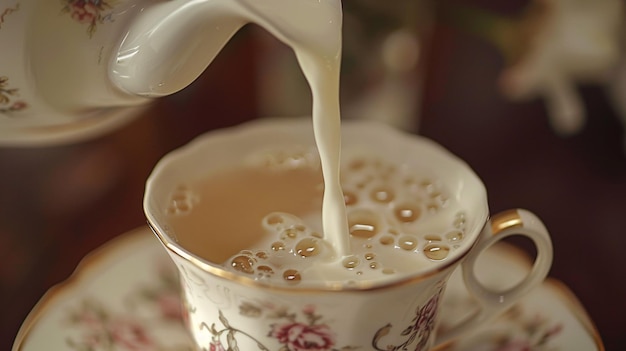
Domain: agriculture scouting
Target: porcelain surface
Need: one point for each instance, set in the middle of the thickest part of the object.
(65, 75)
(74, 69)
(54, 85)
(352, 308)
(125, 296)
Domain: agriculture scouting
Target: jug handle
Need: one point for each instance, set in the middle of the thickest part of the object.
(169, 44)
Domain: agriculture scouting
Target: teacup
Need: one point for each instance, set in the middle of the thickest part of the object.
(229, 310)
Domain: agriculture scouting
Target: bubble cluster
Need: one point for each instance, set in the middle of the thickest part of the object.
(395, 218)
(297, 157)
(284, 256)
(388, 205)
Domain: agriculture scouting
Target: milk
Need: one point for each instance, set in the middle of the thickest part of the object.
(261, 219)
(347, 247)
(312, 28)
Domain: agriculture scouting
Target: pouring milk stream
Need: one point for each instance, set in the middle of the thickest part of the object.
(312, 28)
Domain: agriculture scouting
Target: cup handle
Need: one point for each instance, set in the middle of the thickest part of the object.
(491, 302)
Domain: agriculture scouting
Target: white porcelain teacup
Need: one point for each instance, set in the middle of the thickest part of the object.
(231, 310)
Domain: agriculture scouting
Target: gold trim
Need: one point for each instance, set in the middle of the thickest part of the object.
(571, 302)
(555, 286)
(504, 220)
(86, 264)
(578, 310)
(220, 272)
(561, 289)
(81, 271)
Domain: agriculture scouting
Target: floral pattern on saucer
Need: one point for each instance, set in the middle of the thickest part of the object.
(9, 101)
(102, 329)
(90, 12)
(125, 297)
(8, 97)
(536, 332)
(518, 329)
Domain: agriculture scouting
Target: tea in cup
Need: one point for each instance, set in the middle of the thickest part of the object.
(240, 213)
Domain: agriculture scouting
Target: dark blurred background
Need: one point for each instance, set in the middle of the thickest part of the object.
(59, 203)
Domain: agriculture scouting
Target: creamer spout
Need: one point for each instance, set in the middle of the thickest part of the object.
(170, 44)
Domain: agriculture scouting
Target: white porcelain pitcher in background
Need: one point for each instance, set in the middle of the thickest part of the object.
(72, 69)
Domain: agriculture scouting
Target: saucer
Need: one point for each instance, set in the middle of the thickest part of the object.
(124, 296)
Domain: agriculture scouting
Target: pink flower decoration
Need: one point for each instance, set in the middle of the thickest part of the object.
(18, 105)
(308, 309)
(83, 11)
(170, 306)
(130, 335)
(302, 337)
(555, 330)
(90, 319)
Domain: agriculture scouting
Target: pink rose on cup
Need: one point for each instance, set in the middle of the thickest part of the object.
(303, 337)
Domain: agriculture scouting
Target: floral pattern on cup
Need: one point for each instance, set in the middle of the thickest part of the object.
(96, 325)
(9, 101)
(303, 331)
(418, 332)
(90, 12)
